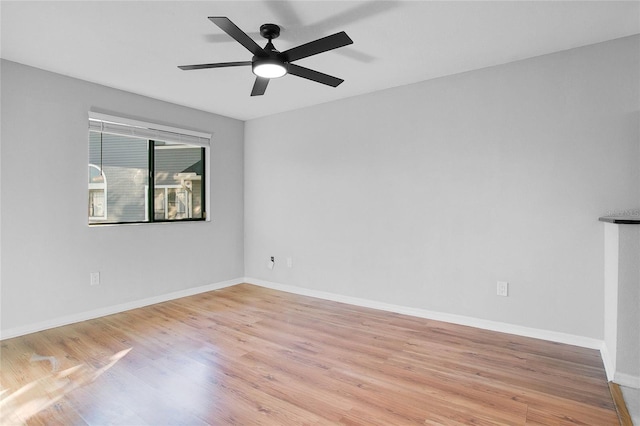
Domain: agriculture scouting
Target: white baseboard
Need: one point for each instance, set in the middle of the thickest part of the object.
(608, 361)
(627, 380)
(552, 336)
(109, 310)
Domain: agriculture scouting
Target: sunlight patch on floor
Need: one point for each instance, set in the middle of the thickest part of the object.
(39, 394)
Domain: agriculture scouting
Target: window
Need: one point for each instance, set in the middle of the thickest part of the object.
(141, 172)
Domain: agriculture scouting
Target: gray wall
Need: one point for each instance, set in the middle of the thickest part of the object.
(426, 195)
(48, 250)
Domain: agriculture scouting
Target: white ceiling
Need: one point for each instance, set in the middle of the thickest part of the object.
(137, 45)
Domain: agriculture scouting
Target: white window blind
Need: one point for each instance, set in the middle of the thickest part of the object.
(139, 129)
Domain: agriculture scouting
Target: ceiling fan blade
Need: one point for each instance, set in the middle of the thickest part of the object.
(240, 36)
(318, 46)
(218, 65)
(259, 86)
(310, 74)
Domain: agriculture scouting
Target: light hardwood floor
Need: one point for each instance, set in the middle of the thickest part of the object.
(248, 355)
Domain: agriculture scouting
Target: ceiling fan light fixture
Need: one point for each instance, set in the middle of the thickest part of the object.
(269, 68)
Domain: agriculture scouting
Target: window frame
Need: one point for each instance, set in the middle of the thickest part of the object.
(168, 134)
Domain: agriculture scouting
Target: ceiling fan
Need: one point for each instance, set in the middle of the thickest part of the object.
(268, 63)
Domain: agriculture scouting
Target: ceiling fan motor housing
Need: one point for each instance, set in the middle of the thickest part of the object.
(274, 64)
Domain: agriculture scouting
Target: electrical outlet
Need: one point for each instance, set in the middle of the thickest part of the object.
(94, 278)
(502, 288)
(289, 262)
